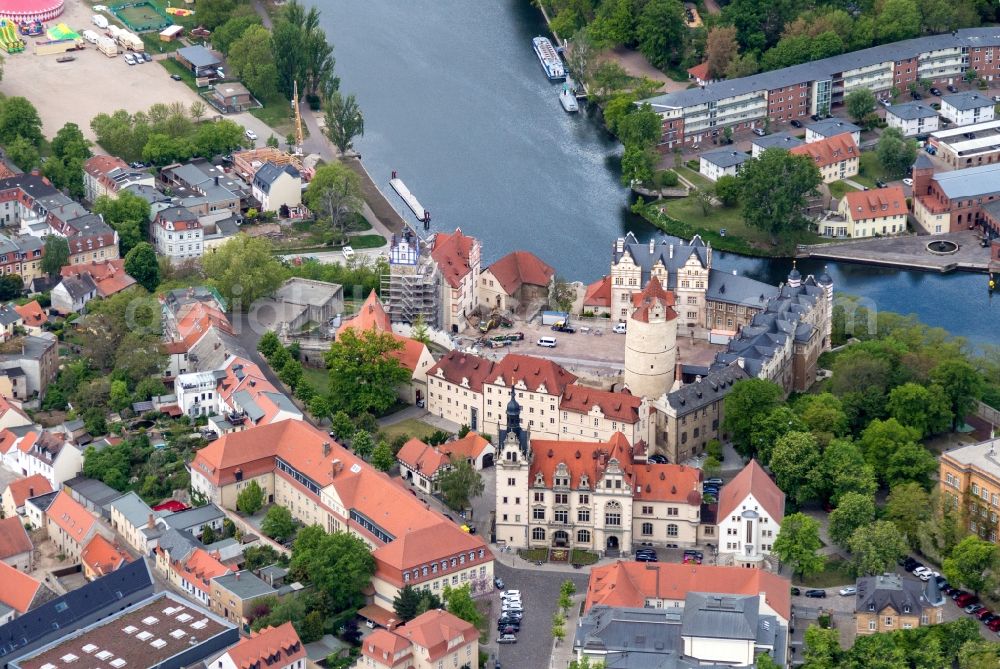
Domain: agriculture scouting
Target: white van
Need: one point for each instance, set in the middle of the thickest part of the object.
(348, 252)
(90, 36)
(100, 21)
(619, 328)
(547, 342)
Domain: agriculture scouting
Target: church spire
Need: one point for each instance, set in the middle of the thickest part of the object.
(513, 414)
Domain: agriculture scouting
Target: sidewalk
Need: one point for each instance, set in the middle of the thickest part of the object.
(562, 651)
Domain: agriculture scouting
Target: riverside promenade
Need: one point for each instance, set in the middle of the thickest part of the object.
(908, 252)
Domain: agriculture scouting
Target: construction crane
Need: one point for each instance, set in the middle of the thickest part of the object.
(299, 139)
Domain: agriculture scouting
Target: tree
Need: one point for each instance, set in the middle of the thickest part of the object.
(642, 127)
(773, 191)
(911, 462)
(411, 602)
(824, 415)
(127, 213)
(563, 294)
(142, 265)
(703, 196)
(765, 661)
(742, 66)
(11, 286)
(232, 30)
(797, 544)
(319, 407)
(55, 255)
(962, 385)
(925, 409)
(338, 565)
(748, 399)
(875, 548)
(335, 190)
(897, 20)
(344, 121)
(291, 373)
(268, 344)
(363, 443)
(558, 626)
(382, 457)
(208, 535)
(278, 523)
(197, 110)
(822, 648)
(895, 152)
(364, 374)
(460, 484)
(23, 153)
(459, 603)
(660, 31)
(973, 564)
(341, 425)
(243, 270)
(796, 464)
(720, 50)
(767, 428)
(19, 118)
(853, 511)
(979, 654)
(637, 164)
(251, 58)
(908, 506)
(860, 103)
(301, 51)
(258, 556)
(845, 470)
(419, 332)
(579, 55)
(881, 439)
(251, 499)
(727, 189)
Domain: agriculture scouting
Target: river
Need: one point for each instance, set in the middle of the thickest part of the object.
(455, 101)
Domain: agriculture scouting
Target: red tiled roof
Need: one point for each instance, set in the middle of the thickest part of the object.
(13, 538)
(200, 568)
(108, 275)
(752, 480)
(98, 166)
(699, 71)
(418, 456)
(653, 295)
(31, 313)
(829, 151)
(453, 254)
(435, 631)
(383, 646)
(518, 268)
(582, 458)
(621, 406)
(533, 372)
(667, 483)
(103, 557)
(456, 366)
(598, 293)
(470, 446)
(18, 589)
(71, 516)
(255, 650)
(371, 315)
(22, 489)
(9, 405)
(876, 203)
(629, 584)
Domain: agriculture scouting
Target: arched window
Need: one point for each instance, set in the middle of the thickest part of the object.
(613, 514)
(583, 536)
(671, 530)
(647, 529)
(538, 534)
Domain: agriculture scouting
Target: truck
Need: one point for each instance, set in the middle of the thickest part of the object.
(553, 317)
(107, 46)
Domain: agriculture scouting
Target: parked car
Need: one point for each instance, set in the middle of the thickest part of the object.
(849, 590)
(958, 593)
(176, 77)
(951, 88)
(508, 629)
(885, 103)
(930, 149)
(619, 328)
(507, 638)
(565, 327)
(907, 181)
(818, 594)
(986, 620)
(796, 591)
(645, 557)
(146, 57)
(657, 459)
(547, 342)
(880, 184)
(972, 608)
(815, 117)
(983, 613)
(498, 583)
(129, 58)
(510, 593)
(796, 123)
(912, 566)
(935, 91)
(715, 480)
(513, 615)
(251, 135)
(966, 599)
(347, 251)
(759, 132)
(994, 625)
(916, 95)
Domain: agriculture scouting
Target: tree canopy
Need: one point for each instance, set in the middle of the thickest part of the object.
(749, 399)
(142, 265)
(773, 190)
(364, 373)
(243, 270)
(343, 120)
(798, 544)
(339, 565)
(460, 484)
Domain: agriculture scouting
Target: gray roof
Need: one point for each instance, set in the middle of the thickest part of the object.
(827, 68)
(967, 101)
(831, 127)
(738, 289)
(672, 252)
(8, 316)
(282, 401)
(269, 173)
(34, 347)
(781, 140)
(992, 209)
(79, 286)
(131, 506)
(720, 616)
(213, 349)
(193, 518)
(249, 405)
(198, 56)
(923, 161)
(911, 111)
(308, 291)
(726, 158)
(43, 502)
(148, 193)
(178, 544)
(244, 584)
(96, 492)
(970, 182)
(711, 388)
(902, 594)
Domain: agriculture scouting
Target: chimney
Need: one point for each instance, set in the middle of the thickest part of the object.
(671, 250)
(741, 362)
(326, 448)
(652, 246)
(151, 522)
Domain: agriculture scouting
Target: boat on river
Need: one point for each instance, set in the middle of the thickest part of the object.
(567, 99)
(549, 58)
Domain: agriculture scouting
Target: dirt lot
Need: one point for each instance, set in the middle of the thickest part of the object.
(93, 83)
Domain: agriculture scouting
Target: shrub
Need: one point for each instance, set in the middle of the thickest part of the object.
(665, 179)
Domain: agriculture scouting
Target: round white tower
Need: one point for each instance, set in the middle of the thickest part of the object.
(651, 342)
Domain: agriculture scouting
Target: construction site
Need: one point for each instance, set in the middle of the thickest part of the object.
(412, 287)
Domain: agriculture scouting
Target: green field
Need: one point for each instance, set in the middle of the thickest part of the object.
(277, 113)
(870, 170)
(141, 17)
(838, 189)
(319, 379)
(411, 427)
(836, 572)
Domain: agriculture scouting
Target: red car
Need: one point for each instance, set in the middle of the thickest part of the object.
(983, 612)
(994, 625)
(966, 599)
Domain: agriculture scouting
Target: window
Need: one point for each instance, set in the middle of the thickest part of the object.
(583, 515)
(562, 498)
(647, 511)
(538, 534)
(538, 514)
(672, 511)
(671, 530)
(872, 625)
(583, 536)
(888, 621)
(647, 529)
(613, 514)
(539, 496)
(562, 516)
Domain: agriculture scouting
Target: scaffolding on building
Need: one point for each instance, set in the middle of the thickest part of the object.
(412, 287)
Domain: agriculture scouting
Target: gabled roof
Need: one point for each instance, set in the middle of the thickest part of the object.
(132, 508)
(102, 556)
(621, 406)
(436, 630)
(109, 276)
(22, 489)
(967, 101)
(70, 516)
(421, 457)
(699, 71)
(752, 480)
(384, 646)
(519, 268)
(262, 647)
(269, 173)
(13, 538)
(911, 111)
(470, 446)
(32, 313)
(667, 483)
(876, 203)
(830, 127)
(725, 159)
(581, 459)
(652, 300)
(80, 286)
(453, 254)
(533, 372)
(829, 151)
(19, 589)
(876, 593)
(598, 293)
(456, 367)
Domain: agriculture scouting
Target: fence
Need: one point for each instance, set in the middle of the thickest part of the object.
(988, 413)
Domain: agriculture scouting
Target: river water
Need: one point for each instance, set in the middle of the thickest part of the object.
(456, 101)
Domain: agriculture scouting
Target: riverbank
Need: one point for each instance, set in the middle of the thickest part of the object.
(909, 252)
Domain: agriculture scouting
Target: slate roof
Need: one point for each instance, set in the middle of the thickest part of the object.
(830, 127)
(8, 315)
(244, 584)
(781, 140)
(875, 593)
(725, 159)
(131, 506)
(198, 56)
(193, 519)
(967, 101)
(691, 397)
(720, 616)
(269, 173)
(911, 111)
(671, 258)
(970, 182)
(738, 289)
(79, 287)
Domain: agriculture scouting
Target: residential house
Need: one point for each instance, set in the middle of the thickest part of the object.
(177, 234)
(275, 647)
(889, 602)
(47, 453)
(32, 317)
(164, 631)
(433, 639)
(108, 276)
(71, 295)
(135, 522)
(836, 157)
(203, 188)
(323, 483)
(422, 464)
(194, 520)
(880, 212)
(218, 228)
(90, 239)
(15, 545)
(597, 299)
(71, 526)
(751, 508)
(37, 363)
(110, 175)
(699, 74)
(970, 480)
(35, 509)
(277, 186)
(18, 491)
(20, 593)
(234, 595)
(516, 282)
(831, 127)
(457, 257)
(232, 97)
(967, 108)
(780, 140)
(11, 414)
(912, 118)
(10, 319)
(715, 164)
(100, 557)
(94, 495)
(193, 573)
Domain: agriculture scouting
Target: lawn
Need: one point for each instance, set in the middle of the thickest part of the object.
(366, 241)
(173, 67)
(836, 572)
(155, 45)
(277, 113)
(870, 170)
(838, 189)
(694, 177)
(411, 427)
(319, 379)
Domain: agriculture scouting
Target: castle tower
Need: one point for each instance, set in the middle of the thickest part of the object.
(794, 277)
(922, 173)
(651, 342)
(825, 282)
(513, 464)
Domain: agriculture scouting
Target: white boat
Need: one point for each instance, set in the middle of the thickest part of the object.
(568, 100)
(549, 58)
